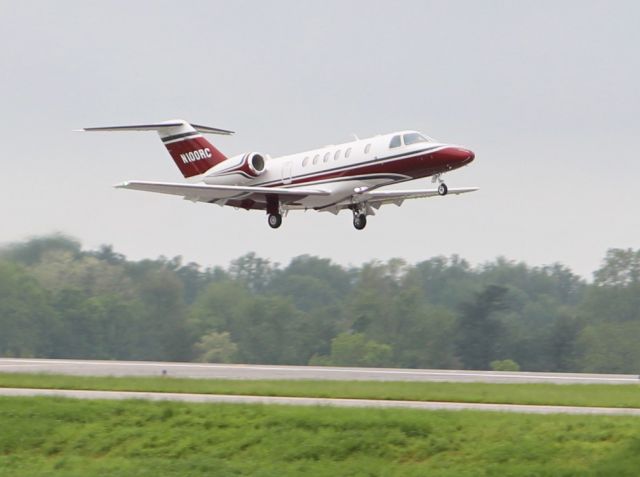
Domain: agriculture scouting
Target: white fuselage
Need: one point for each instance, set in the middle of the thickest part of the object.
(339, 169)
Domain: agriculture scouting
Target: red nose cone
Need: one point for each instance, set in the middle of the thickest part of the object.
(472, 156)
(453, 156)
(462, 155)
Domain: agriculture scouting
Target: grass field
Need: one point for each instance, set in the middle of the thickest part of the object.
(63, 437)
(600, 395)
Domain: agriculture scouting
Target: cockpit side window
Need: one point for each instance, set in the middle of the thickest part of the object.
(395, 142)
(413, 138)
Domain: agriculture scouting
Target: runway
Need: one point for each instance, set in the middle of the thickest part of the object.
(301, 401)
(241, 371)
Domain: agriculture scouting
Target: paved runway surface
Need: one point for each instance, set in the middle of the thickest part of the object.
(238, 371)
(297, 401)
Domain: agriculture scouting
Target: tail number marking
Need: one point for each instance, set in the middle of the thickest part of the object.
(196, 155)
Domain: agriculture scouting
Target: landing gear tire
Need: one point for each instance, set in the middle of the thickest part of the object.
(443, 189)
(275, 220)
(359, 221)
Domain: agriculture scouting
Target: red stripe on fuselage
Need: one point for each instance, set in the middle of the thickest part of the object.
(414, 167)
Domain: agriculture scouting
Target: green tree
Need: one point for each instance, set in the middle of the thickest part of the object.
(615, 294)
(621, 268)
(504, 365)
(479, 330)
(444, 281)
(311, 282)
(161, 332)
(609, 348)
(372, 300)
(252, 270)
(33, 250)
(273, 331)
(215, 348)
(353, 349)
(220, 307)
(562, 339)
(266, 329)
(27, 321)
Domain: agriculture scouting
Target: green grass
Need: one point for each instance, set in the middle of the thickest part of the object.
(63, 437)
(600, 395)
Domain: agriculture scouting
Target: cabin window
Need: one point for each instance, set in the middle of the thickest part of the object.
(396, 141)
(414, 138)
(336, 156)
(326, 157)
(316, 158)
(347, 152)
(305, 161)
(367, 148)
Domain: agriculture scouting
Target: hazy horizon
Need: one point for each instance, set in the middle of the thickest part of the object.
(285, 263)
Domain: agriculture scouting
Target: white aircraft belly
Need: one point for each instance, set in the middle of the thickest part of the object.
(339, 192)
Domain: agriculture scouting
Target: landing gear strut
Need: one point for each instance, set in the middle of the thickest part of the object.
(274, 211)
(275, 220)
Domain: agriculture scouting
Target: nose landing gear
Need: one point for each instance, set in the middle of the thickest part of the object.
(442, 188)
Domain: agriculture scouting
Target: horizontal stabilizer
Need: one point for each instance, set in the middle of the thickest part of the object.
(160, 127)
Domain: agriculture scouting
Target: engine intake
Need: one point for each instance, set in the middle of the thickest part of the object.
(256, 164)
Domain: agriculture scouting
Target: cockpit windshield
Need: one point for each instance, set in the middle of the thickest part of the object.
(414, 138)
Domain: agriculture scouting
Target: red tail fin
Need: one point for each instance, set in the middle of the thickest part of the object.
(191, 152)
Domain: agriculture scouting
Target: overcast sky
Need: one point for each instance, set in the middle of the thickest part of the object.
(547, 94)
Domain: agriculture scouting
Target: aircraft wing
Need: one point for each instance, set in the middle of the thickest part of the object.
(381, 197)
(223, 194)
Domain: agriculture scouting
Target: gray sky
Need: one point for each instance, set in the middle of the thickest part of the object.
(547, 94)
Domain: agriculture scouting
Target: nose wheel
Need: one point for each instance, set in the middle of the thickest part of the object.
(275, 220)
(442, 188)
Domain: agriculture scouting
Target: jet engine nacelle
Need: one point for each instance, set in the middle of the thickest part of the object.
(239, 169)
(256, 164)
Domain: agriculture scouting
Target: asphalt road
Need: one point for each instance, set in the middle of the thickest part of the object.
(239, 371)
(297, 401)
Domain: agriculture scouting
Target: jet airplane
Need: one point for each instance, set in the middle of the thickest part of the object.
(352, 175)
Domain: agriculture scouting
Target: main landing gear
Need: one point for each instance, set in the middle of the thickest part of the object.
(275, 220)
(359, 216)
(359, 221)
(275, 211)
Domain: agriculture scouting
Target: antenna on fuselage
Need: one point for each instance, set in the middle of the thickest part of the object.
(355, 137)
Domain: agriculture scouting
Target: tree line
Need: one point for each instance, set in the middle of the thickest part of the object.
(60, 301)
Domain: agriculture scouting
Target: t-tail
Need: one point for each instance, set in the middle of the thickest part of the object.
(191, 152)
